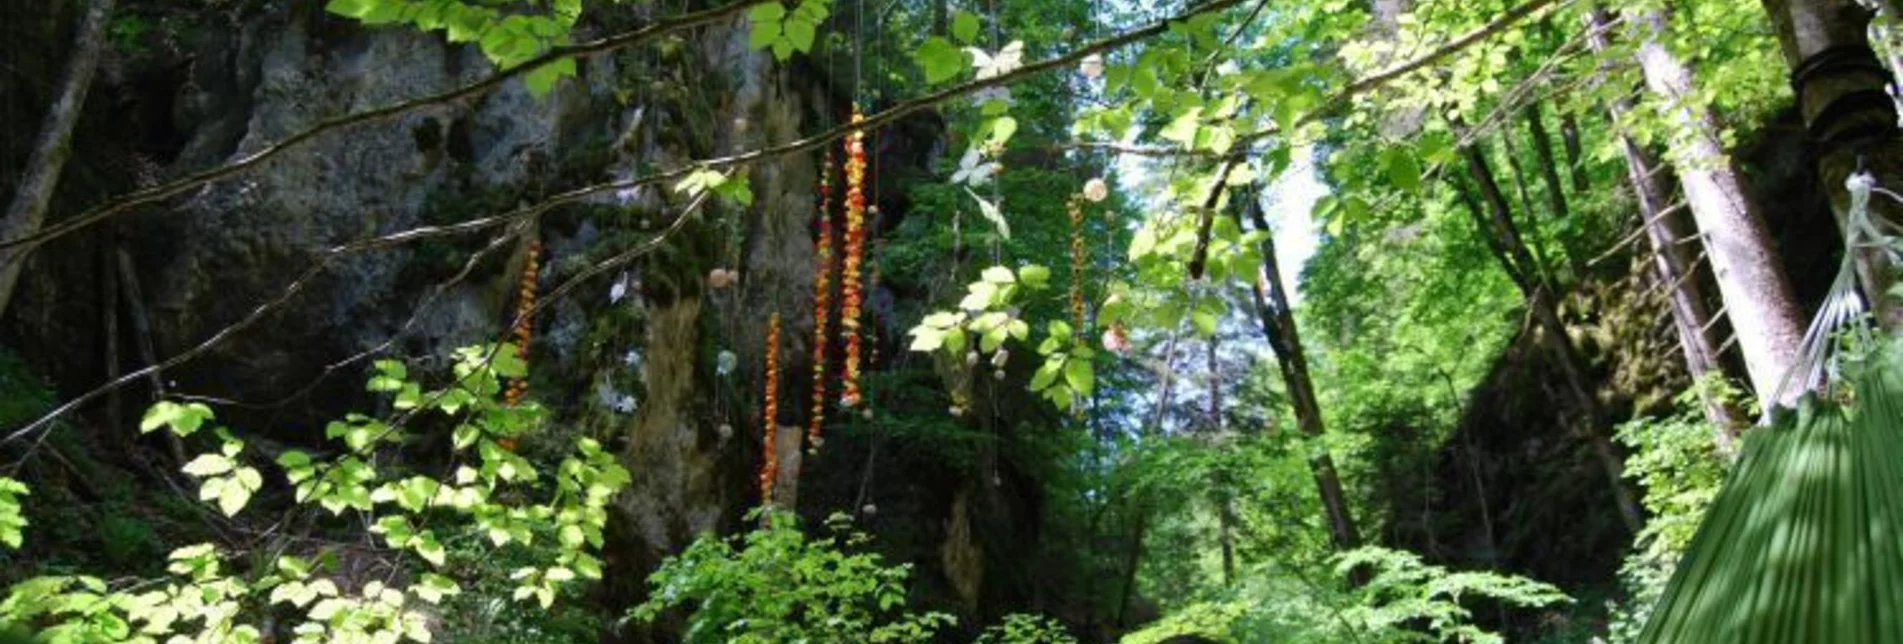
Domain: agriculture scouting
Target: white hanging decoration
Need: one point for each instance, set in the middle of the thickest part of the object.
(973, 169)
(1004, 62)
(725, 362)
(619, 290)
(998, 93)
(1096, 190)
(1091, 67)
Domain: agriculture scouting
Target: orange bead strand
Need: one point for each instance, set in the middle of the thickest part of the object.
(523, 330)
(852, 299)
(771, 469)
(822, 299)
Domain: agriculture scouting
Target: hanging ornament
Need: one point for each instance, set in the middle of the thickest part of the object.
(771, 420)
(851, 297)
(1091, 67)
(1116, 339)
(822, 299)
(720, 278)
(1077, 259)
(1096, 190)
(521, 332)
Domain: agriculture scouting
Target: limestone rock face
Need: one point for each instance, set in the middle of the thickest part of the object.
(625, 355)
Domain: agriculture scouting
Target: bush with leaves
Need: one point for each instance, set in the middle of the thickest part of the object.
(1404, 600)
(1021, 628)
(486, 492)
(1408, 600)
(1674, 460)
(776, 585)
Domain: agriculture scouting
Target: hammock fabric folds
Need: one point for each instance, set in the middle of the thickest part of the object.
(1802, 544)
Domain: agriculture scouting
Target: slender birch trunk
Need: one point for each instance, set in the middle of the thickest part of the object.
(1674, 262)
(27, 212)
(1750, 277)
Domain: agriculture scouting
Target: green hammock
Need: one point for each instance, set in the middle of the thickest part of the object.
(1804, 543)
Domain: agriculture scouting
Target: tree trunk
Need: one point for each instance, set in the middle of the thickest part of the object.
(1221, 483)
(1756, 293)
(28, 210)
(1541, 266)
(1840, 91)
(1569, 134)
(1500, 234)
(1132, 559)
(1555, 189)
(1673, 261)
(1278, 326)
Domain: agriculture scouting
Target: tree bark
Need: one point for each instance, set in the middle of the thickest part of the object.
(1541, 265)
(1674, 263)
(1569, 134)
(1497, 229)
(1278, 327)
(27, 212)
(1555, 188)
(1851, 119)
(1751, 279)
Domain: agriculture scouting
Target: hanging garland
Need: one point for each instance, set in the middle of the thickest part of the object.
(851, 297)
(1077, 257)
(524, 324)
(771, 469)
(822, 299)
(524, 327)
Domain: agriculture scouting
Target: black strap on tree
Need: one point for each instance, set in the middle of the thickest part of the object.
(1839, 121)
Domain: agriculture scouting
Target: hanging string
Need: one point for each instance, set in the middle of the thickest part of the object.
(997, 182)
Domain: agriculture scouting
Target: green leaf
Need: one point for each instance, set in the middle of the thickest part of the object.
(940, 60)
(993, 339)
(208, 465)
(1079, 375)
(541, 80)
(1034, 276)
(954, 340)
(992, 214)
(1047, 373)
(429, 548)
(999, 275)
(764, 34)
(767, 12)
(800, 33)
(1402, 168)
(349, 8)
(964, 27)
(1184, 127)
(1001, 129)
(183, 419)
(927, 339)
(232, 497)
(1205, 321)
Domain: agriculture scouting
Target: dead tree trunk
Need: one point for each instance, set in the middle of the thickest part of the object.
(1756, 293)
(1497, 229)
(28, 209)
(1853, 121)
(1278, 327)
